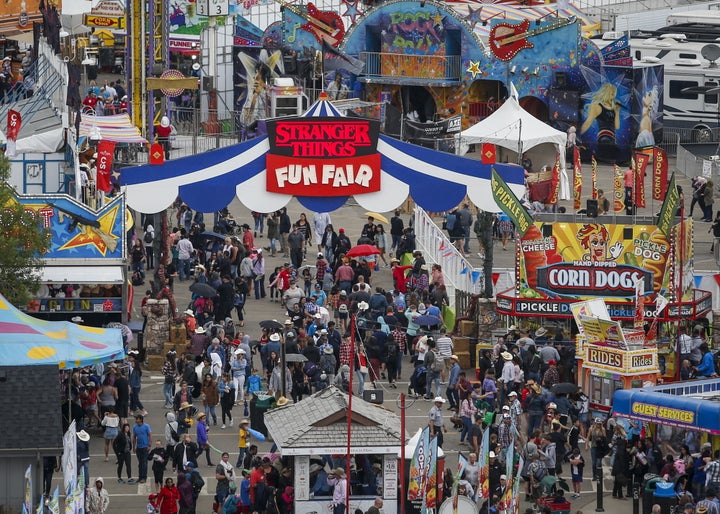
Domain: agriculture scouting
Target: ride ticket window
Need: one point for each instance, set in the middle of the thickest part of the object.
(602, 389)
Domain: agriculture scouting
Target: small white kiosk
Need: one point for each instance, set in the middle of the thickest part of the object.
(315, 431)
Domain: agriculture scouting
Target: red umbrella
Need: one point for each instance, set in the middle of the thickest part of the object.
(362, 251)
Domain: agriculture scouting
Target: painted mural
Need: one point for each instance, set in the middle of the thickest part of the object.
(76, 231)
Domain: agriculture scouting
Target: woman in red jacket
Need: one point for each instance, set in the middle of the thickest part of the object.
(168, 497)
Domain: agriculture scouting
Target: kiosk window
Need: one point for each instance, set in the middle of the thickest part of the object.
(602, 389)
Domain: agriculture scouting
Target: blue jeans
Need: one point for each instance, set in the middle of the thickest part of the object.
(361, 381)
(466, 230)
(260, 223)
(241, 455)
(167, 391)
(259, 287)
(135, 403)
(467, 424)
(430, 377)
(142, 455)
(140, 268)
(184, 269)
(210, 412)
(396, 238)
(534, 421)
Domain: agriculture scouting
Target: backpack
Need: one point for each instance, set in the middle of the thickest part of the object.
(173, 434)
(540, 473)
(601, 447)
(392, 349)
(310, 368)
(148, 238)
(197, 482)
(438, 363)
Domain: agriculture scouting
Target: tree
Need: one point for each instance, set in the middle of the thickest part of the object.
(486, 240)
(23, 242)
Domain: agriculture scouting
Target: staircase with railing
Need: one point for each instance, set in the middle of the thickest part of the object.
(40, 97)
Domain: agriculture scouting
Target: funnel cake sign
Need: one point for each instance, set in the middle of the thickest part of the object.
(323, 156)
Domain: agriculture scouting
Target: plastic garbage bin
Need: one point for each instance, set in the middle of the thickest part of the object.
(648, 499)
(259, 405)
(665, 496)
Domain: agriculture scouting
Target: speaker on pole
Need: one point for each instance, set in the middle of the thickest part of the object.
(592, 208)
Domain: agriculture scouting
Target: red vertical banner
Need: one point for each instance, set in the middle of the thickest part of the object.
(618, 189)
(488, 153)
(157, 154)
(555, 183)
(594, 178)
(105, 152)
(14, 121)
(577, 179)
(641, 162)
(660, 174)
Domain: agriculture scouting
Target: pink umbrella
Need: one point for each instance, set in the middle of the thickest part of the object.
(362, 251)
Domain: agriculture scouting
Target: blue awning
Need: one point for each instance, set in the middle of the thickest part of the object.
(671, 405)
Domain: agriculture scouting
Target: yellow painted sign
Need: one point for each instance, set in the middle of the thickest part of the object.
(633, 362)
(663, 413)
(109, 22)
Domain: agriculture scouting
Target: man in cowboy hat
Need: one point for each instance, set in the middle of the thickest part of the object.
(436, 421)
(337, 479)
(507, 376)
(198, 342)
(83, 454)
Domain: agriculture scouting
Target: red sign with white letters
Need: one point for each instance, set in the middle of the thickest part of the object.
(323, 156)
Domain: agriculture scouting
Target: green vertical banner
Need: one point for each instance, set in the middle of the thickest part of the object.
(509, 203)
(669, 208)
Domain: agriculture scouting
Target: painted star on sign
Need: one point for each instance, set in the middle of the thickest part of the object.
(474, 17)
(474, 68)
(352, 10)
(101, 237)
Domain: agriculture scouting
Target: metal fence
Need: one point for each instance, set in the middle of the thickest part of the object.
(459, 274)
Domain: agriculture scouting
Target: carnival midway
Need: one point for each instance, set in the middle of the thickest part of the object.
(361, 257)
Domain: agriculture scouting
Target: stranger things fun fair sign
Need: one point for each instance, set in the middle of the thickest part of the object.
(323, 156)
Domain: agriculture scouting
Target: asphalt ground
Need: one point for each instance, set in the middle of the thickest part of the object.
(126, 498)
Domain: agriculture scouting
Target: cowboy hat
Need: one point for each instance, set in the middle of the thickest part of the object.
(244, 421)
(200, 416)
(239, 351)
(199, 330)
(439, 399)
(339, 472)
(83, 436)
(281, 401)
(454, 357)
(512, 327)
(274, 337)
(76, 319)
(329, 350)
(506, 355)
(189, 312)
(540, 332)
(185, 405)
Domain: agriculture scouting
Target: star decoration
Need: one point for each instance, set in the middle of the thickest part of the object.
(474, 68)
(102, 237)
(352, 10)
(474, 17)
(438, 18)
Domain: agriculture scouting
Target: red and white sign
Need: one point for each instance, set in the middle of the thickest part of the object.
(185, 46)
(105, 151)
(323, 156)
(14, 121)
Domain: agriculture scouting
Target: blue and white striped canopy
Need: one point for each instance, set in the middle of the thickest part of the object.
(436, 181)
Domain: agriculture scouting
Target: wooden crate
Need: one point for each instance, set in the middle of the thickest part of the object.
(461, 344)
(178, 334)
(155, 362)
(464, 361)
(467, 328)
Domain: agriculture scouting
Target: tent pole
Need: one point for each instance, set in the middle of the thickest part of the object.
(520, 145)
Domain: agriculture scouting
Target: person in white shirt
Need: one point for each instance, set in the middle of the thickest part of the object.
(507, 376)
(185, 251)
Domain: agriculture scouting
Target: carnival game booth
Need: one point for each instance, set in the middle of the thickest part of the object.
(315, 430)
(85, 266)
(674, 413)
(563, 259)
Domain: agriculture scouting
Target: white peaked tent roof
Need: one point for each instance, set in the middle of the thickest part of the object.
(514, 128)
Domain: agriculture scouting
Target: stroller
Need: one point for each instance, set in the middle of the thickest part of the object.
(417, 388)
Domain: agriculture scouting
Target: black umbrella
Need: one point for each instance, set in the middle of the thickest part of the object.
(203, 289)
(565, 388)
(271, 324)
(295, 357)
(427, 320)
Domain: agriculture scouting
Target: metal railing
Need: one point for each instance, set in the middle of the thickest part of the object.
(383, 64)
(459, 274)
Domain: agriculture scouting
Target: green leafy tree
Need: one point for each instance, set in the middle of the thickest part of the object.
(23, 242)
